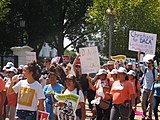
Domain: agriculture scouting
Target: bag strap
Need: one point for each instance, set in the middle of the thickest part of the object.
(153, 71)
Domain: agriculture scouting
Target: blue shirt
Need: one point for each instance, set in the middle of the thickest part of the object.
(48, 92)
(156, 88)
(148, 79)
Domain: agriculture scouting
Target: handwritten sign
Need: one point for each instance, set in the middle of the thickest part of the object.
(89, 58)
(30, 57)
(141, 41)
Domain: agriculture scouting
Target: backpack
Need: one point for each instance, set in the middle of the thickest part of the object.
(153, 72)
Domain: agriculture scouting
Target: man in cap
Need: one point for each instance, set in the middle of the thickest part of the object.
(129, 66)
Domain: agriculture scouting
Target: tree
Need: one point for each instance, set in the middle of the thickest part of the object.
(49, 21)
(139, 15)
(3, 8)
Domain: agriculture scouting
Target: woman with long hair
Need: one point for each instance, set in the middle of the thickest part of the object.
(71, 86)
(30, 93)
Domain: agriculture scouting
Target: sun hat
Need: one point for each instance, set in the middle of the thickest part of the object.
(114, 71)
(110, 63)
(102, 72)
(9, 64)
(122, 70)
(131, 72)
(12, 69)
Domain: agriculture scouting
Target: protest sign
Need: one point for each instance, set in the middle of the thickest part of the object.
(148, 57)
(41, 115)
(141, 41)
(89, 59)
(30, 57)
(55, 60)
(118, 57)
(68, 110)
(66, 58)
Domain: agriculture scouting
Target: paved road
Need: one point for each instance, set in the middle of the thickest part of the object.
(137, 117)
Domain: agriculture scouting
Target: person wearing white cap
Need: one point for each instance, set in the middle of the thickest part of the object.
(102, 88)
(12, 98)
(123, 97)
(113, 74)
(136, 85)
(129, 66)
(9, 64)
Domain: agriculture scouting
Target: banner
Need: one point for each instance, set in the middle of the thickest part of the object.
(55, 60)
(66, 58)
(68, 110)
(141, 41)
(42, 115)
(89, 59)
(30, 57)
(118, 57)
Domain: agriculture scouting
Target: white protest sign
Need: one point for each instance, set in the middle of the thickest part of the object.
(30, 57)
(68, 110)
(141, 41)
(148, 57)
(89, 58)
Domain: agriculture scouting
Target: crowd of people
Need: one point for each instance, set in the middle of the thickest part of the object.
(112, 93)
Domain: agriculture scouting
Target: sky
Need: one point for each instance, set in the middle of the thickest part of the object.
(66, 42)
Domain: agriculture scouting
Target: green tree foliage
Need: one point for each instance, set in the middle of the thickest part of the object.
(138, 15)
(48, 21)
(3, 8)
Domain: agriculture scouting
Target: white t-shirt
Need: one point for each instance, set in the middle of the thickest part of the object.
(28, 95)
(81, 96)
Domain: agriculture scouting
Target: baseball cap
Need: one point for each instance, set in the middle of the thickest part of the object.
(70, 77)
(20, 66)
(9, 64)
(129, 63)
(131, 72)
(102, 72)
(12, 69)
(122, 70)
(114, 71)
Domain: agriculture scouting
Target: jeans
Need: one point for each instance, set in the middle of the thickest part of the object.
(155, 106)
(26, 115)
(145, 95)
(117, 111)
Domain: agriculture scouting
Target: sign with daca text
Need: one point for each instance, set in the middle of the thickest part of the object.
(141, 41)
(89, 58)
